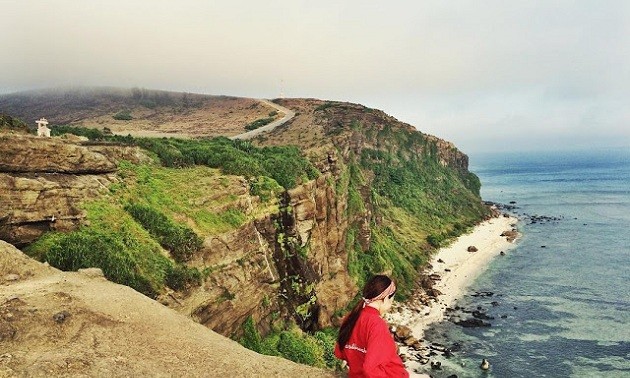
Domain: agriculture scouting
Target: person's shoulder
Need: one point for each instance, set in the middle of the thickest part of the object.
(374, 319)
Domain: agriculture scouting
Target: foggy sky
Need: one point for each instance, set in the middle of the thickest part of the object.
(483, 74)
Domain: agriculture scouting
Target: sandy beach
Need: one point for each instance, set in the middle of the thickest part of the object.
(457, 271)
(464, 266)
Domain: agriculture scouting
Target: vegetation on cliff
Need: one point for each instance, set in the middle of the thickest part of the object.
(374, 196)
(412, 200)
(293, 344)
(152, 206)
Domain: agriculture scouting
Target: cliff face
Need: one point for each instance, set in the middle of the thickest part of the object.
(295, 263)
(43, 182)
(268, 268)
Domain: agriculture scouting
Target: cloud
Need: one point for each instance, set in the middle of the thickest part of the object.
(467, 71)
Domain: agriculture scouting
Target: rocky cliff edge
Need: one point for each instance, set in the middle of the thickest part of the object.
(55, 323)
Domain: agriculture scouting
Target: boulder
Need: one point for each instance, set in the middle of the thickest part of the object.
(402, 332)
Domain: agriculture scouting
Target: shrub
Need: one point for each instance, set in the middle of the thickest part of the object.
(179, 239)
(259, 123)
(327, 339)
(285, 164)
(123, 115)
(266, 188)
(92, 134)
(180, 277)
(300, 348)
(93, 248)
(293, 344)
(12, 123)
(251, 337)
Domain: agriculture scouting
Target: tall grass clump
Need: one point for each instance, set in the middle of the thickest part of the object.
(122, 257)
(179, 239)
(293, 344)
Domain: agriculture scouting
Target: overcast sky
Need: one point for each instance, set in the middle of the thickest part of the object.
(483, 74)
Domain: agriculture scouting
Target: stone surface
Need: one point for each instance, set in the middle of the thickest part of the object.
(44, 181)
(67, 324)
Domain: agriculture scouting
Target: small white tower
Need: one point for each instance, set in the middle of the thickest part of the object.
(42, 128)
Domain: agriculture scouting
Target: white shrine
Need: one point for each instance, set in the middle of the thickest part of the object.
(42, 128)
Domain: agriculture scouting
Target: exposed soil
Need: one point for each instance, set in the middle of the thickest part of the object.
(55, 323)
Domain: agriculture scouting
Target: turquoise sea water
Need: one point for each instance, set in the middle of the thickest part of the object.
(566, 306)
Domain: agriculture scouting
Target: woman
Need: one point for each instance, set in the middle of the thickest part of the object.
(364, 340)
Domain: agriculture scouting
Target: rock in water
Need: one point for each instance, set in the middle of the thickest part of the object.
(485, 365)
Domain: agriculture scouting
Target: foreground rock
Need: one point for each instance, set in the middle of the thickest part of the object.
(55, 323)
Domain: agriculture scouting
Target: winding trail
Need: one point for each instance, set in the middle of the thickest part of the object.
(288, 115)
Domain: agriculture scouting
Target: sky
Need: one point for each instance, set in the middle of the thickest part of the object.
(486, 74)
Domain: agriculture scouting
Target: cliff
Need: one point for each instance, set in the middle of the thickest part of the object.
(55, 323)
(385, 195)
(43, 182)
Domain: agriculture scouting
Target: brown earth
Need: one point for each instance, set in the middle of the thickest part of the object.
(154, 113)
(55, 323)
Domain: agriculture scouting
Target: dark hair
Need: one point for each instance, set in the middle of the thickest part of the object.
(372, 288)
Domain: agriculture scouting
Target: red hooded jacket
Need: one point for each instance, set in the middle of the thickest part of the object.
(371, 351)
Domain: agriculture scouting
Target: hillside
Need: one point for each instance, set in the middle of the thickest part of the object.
(79, 324)
(248, 238)
(140, 112)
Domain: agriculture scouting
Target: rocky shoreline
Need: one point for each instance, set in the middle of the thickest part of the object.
(450, 272)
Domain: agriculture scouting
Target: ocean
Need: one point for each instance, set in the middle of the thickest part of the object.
(562, 294)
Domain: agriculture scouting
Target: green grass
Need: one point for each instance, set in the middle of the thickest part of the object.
(285, 164)
(179, 239)
(260, 122)
(114, 242)
(293, 344)
(197, 196)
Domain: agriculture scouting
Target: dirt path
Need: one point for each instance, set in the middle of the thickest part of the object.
(288, 114)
